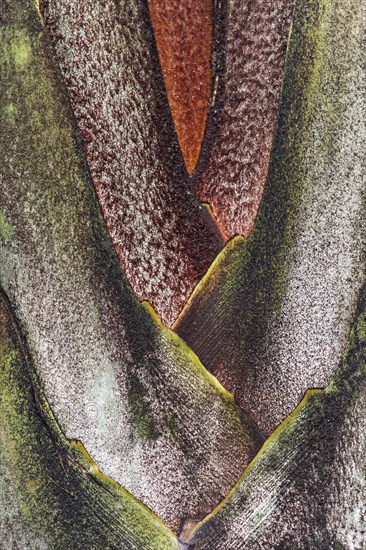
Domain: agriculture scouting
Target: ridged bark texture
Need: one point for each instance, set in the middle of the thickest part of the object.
(307, 488)
(53, 497)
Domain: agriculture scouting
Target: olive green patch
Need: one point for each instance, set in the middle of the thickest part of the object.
(141, 418)
(6, 229)
(21, 51)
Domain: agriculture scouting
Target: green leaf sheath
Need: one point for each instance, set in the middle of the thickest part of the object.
(51, 498)
(271, 318)
(146, 410)
(306, 487)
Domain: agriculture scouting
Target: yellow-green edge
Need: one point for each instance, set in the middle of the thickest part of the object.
(237, 240)
(271, 441)
(189, 353)
(87, 463)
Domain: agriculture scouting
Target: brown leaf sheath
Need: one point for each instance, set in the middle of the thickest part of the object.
(184, 32)
(164, 238)
(250, 47)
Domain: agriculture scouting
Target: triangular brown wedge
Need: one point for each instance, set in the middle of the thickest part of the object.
(184, 36)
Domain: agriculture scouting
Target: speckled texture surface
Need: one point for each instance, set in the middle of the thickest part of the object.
(164, 238)
(144, 407)
(49, 497)
(184, 33)
(306, 489)
(272, 318)
(251, 39)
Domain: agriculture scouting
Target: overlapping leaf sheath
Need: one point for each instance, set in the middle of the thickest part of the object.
(144, 407)
(271, 318)
(184, 32)
(51, 496)
(251, 39)
(307, 487)
(164, 238)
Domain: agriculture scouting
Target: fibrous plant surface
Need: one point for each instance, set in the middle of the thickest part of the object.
(184, 33)
(250, 48)
(140, 401)
(51, 496)
(271, 318)
(306, 488)
(92, 384)
(164, 238)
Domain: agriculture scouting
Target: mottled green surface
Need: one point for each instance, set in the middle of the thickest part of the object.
(6, 230)
(272, 318)
(50, 499)
(144, 407)
(306, 489)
